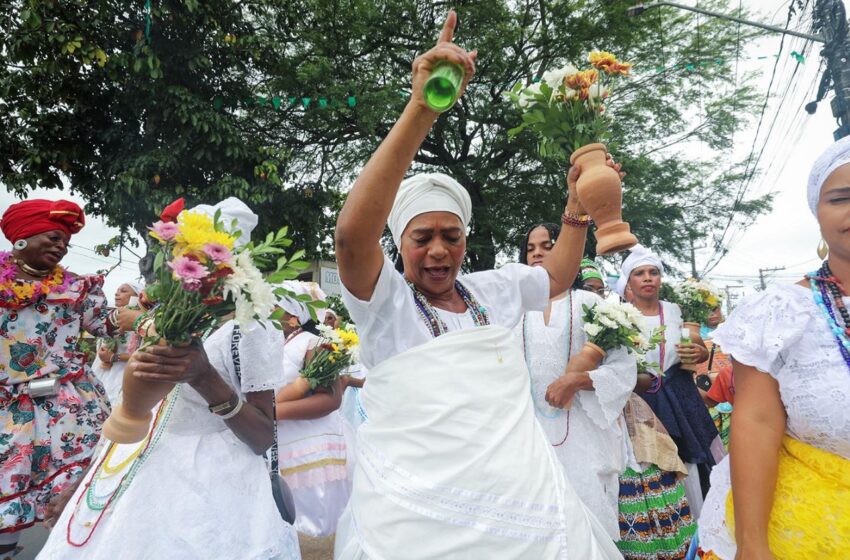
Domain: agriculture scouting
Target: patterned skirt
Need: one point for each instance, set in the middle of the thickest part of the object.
(655, 519)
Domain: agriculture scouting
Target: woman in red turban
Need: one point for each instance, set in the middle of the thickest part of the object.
(51, 407)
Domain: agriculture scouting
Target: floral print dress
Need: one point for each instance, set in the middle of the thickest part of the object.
(46, 442)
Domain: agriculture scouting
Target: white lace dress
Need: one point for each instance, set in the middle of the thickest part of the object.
(589, 438)
(313, 455)
(782, 332)
(201, 493)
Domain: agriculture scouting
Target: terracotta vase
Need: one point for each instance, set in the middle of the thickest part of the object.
(601, 194)
(694, 336)
(130, 421)
(587, 359)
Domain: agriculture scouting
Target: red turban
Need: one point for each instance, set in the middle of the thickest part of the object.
(31, 217)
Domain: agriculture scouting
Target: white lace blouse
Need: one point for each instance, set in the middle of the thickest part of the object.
(784, 333)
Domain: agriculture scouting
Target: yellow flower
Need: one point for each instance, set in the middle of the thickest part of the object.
(712, 301)
(23, 290)
(195, 231)
(601, 59)
(349, 338)
(609, 63)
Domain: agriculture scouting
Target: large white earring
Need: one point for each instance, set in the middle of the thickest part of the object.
(20, 244)
(823, 249)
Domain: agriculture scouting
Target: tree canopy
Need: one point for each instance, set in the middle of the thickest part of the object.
(280, 102)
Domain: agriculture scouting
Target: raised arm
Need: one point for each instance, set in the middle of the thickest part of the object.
(361, 221)
(563, 261)
(759, 429)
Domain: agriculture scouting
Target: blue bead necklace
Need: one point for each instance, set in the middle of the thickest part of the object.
(432, 318)
(827, 294)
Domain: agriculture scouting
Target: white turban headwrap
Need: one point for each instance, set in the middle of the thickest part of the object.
(297, 308)
(834, 157)
(428, 192)
(232, 209)
(640, 256)
(620, 286)
(136, 285)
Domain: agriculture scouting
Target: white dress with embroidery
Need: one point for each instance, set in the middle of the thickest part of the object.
(589, 438)
(201, 492)
(783, 333)
(450, 465)
(313, 455)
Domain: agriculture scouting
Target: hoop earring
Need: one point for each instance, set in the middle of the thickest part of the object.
(20, 244)
(823, 249)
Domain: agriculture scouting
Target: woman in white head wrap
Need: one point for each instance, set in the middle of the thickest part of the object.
(201, 487)
(790, 445)
(113, 353)
(310, 429)
(670, 390)
(450, 420)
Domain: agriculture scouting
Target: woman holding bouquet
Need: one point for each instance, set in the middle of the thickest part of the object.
(51, 406)
(672, 393)
(198, 485)
(580, 411)
(451, 463)
(790, 449)
(113, 353)
(310, 430)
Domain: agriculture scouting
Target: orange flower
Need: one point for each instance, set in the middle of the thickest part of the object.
(609, 63)
(581, 80)
(601, 59)
(622, 68)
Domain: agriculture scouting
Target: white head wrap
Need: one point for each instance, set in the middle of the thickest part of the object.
(428, 192)
(834, 157)
(233, 209)
(640, 256)
(620, 286)
(136, 285)
(297, 308)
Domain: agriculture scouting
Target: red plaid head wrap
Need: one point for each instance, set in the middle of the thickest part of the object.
(31, 217)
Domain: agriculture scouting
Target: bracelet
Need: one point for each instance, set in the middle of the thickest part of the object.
(112, 318)
(223, 408)
(576, 220)
(233, 412)
(144, 327)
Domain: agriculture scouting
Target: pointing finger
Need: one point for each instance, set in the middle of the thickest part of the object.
(448, 32)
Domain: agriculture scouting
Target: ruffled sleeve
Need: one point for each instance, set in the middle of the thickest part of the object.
(92, 304)
(261, 355)
(764, 325)
(613, 383)
(615, 378)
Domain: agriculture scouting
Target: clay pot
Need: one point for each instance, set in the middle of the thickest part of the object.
(587, 359)
(601, 194)
(694, 336)
(130, 421)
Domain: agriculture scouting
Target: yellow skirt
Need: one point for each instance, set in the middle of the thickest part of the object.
(810, 518)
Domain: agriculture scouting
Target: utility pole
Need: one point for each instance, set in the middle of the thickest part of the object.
(731, 296)
(761, 275)
(830, 19)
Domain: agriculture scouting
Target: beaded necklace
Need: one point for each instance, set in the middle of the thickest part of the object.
(558, 411)
(17, 294)
(828, 292)
(432, 318)
(101, 503)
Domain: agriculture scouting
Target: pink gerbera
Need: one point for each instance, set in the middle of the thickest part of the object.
(164, 231)
(186, 269)
(217, 252)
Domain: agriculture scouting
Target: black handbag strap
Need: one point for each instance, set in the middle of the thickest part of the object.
(237, 367)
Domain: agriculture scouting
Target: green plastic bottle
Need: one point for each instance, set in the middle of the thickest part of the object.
(443, 86)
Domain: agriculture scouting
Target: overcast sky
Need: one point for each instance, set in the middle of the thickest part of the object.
(787, 237)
